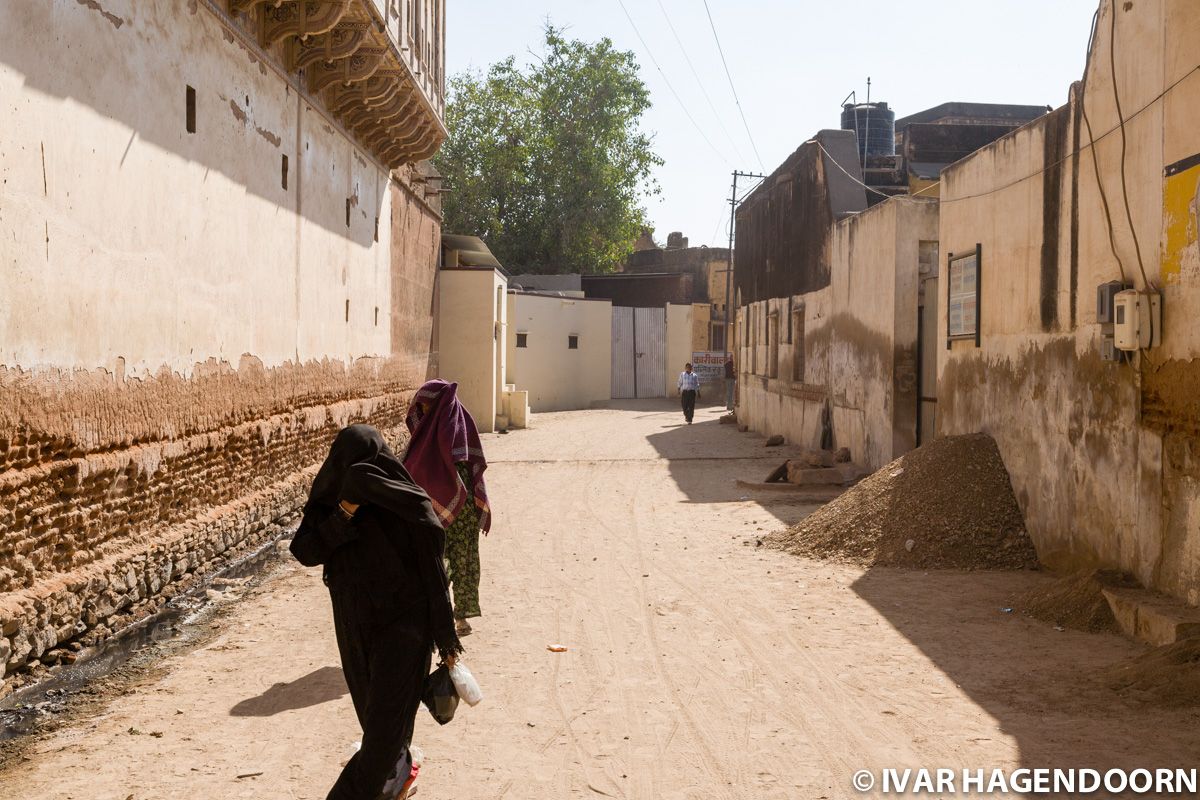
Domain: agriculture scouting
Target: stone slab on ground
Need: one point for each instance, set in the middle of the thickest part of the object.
(1151, 617)
(834, 475)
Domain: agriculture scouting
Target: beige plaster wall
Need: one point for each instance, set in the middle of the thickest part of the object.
(1103, 456)
(556, 377)
(680, 327)
(181, 335)
(472, 312)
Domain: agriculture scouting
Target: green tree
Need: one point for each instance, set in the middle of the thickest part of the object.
(549, 163)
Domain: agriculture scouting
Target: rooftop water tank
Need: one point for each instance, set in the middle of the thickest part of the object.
(875, 126)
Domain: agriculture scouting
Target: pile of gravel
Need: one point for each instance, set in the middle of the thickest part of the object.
(946, 505)
(1076, 601)
(1165, 676)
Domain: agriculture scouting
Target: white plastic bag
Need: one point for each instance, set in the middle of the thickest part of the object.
(464, 682)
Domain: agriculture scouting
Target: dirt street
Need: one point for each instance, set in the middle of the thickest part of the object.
(699, 665)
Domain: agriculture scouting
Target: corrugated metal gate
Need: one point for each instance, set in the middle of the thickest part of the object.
(639, 352)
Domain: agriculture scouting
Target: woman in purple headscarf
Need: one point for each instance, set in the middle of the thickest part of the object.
(445, 457)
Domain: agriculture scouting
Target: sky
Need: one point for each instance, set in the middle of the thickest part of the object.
(792, 64)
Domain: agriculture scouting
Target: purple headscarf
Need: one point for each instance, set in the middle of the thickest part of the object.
(444, 435)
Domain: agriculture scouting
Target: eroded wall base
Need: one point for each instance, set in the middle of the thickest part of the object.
(106, 508)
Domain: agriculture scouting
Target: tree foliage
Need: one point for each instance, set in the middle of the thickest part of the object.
(548, 163)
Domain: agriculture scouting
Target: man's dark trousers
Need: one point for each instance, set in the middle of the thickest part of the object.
(688, 398)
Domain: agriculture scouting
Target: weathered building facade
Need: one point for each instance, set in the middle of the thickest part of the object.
(840, 365)
(1104, 455)
(217, 247)
(831, 294)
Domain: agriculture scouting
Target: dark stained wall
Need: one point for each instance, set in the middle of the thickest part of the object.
(640, 291)
(783, 228)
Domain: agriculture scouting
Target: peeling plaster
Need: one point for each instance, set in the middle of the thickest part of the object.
(116, 21)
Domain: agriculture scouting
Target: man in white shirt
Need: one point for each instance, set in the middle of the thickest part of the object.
(689, 390)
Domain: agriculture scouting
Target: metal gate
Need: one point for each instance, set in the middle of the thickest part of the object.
(639, 357)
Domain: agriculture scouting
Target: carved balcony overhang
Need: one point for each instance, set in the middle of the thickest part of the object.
(382, 87)
(302, 18)
(347, 53)
(346, 71)
(341, 42)
(368, 116)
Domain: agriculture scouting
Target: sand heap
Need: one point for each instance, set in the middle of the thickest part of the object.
(948, 504)
(1076, 601)
(1167, 675)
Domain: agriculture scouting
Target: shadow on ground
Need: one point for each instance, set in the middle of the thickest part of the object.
(319, 686)
(706, 460)
(1040, 684)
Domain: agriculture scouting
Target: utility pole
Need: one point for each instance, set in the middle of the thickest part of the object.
(733, 202)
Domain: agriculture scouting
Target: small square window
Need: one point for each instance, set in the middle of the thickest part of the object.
(522, 340)
(189, 109)
(572, 342)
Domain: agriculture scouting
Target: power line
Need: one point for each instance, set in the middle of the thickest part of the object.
(725, 64)
(667, 81)
(700, 83)
(1045, 168)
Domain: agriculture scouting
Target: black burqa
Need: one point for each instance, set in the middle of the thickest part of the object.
(391, 600)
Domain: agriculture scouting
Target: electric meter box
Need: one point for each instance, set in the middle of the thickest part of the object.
(1105, 293)
(1137, 320)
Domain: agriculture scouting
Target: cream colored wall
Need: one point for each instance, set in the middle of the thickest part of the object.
(557, 378)
(123, 236)
(679, 344)
(1102, 456)
(469, 332)
(859, 340)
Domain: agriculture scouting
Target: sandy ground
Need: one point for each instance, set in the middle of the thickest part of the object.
(699, 665)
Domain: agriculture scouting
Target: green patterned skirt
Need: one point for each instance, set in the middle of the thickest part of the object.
(462, 554)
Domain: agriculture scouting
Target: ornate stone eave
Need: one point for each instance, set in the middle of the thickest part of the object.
(345, 53)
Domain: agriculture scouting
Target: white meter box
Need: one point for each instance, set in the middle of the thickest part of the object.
(1137, 320)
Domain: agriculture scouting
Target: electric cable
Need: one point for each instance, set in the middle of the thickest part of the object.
(725, 64)
(1112, 241)
(667, 81)
(1112, 61)
(1053, 164)
(700, 83)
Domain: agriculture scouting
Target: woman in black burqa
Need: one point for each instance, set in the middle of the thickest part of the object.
(382, 547)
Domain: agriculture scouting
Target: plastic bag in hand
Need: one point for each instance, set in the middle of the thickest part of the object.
(465, 683)
(440, 696)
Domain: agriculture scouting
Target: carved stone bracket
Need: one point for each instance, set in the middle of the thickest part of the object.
(341, 42)
(302, 18)
(380, 88)
(384, 114)
(358, 67)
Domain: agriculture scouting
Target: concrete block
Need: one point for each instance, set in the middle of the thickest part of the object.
(816, 458)
(1124, 606)
(810, 476)
(1152, 618)
(851, 472)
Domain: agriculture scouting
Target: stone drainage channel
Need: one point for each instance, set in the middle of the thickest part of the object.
(179, 620)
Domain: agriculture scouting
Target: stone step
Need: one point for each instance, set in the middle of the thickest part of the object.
(1151, 617)
(837, 475)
